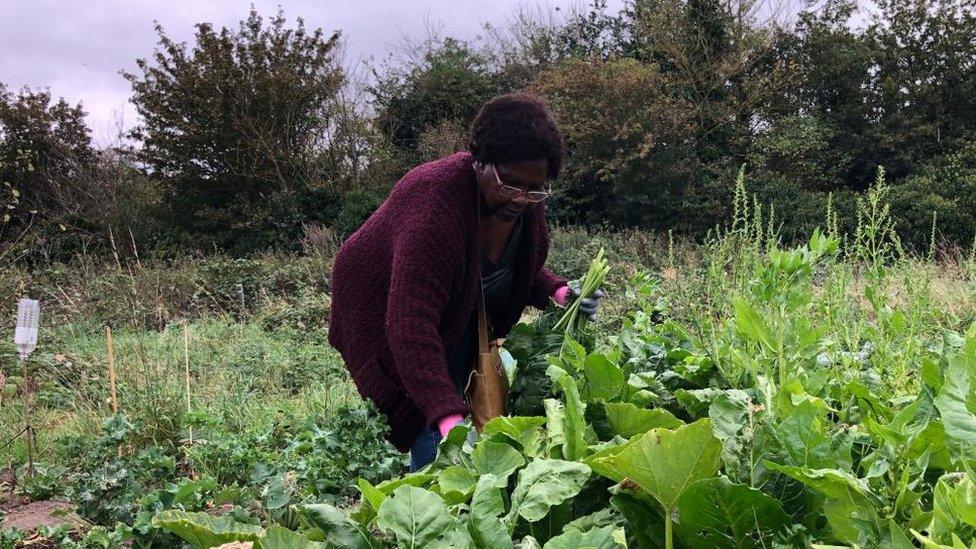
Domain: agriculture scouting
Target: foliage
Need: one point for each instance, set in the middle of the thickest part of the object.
(253, 110)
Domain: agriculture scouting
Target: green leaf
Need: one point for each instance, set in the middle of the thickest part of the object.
(645, 520)
(485, 525)
(806, 444)
(596, 538)
(894, 538)
(750, 324)
(416, 517)
(697, 401)
(498, 459)
(598, 519)
(603, 467)
(715, 513)
(277, 537)
(339, 530)
(664, 463)
(542, 484)
(526, 431)
(729, 413)
(456, 484)
(870, 404)
(371, 494)
(555, 427)
(957, 417)
(929, 543)
(604, 380)
(628, 420)
(203, 530)
(414, 479)
(851, 508)
(954, 506)
(452, 449)
(574, 422)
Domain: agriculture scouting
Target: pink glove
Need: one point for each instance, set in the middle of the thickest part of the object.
(561, 296)
(447, 423)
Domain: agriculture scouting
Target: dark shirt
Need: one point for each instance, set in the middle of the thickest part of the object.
(496, 281)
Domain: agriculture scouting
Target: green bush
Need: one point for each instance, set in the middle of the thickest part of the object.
(946, 186)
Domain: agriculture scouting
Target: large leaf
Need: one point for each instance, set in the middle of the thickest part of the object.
(203, 530)
(697, 401)
(416, 517)
(954, 506)
(526, 431)
(413, 479)
(801, 435)
(542, 484)
(628, 420)
(498, 459)
(371, 495)
(750, 324)
(339, 530)
(277, 537)
(484, 521)
(574, 424)
(456, 484)
(596, 538)
(715, 513)
(954, 405)
(452, 449)
(851, 508)
(664, 463)
(604, 380)
(605, 468)
(730, 413)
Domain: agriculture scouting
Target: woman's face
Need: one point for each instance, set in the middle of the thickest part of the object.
(526, 175)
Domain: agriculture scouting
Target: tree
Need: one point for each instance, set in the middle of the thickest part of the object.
(235, 128)
(45, 153)
(923, 80)
(443, 85)
(623, 141)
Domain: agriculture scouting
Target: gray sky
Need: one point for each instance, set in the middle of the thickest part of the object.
(76, 49)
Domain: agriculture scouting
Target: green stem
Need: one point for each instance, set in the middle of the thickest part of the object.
(668, 535)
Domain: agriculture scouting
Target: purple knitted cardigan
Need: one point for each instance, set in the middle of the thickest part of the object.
(405, 285)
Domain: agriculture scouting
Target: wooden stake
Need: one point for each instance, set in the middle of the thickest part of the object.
(111, 369)
(186, 369)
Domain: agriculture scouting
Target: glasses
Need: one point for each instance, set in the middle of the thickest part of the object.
(512, 193)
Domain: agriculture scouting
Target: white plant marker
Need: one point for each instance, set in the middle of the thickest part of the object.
(25, 338)
(28, 318)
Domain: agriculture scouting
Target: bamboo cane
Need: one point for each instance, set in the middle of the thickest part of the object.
(186, 369)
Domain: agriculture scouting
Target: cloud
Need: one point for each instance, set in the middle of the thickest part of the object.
(76, 49)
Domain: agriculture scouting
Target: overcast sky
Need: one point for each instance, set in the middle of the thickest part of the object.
(77, 48)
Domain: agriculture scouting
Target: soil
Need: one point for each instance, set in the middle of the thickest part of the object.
(42, 513)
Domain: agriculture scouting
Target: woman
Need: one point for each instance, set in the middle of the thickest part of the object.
(405, 285)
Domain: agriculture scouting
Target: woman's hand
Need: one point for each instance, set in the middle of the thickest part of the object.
(588, 306)
(447, 423)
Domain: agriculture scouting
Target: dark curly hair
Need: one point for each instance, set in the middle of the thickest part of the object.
(516, 127)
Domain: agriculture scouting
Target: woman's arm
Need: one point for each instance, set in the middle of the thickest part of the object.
(544, 287)
(428, 250)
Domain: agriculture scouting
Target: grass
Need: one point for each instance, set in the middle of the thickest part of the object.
(262, 375)
(240, 375)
